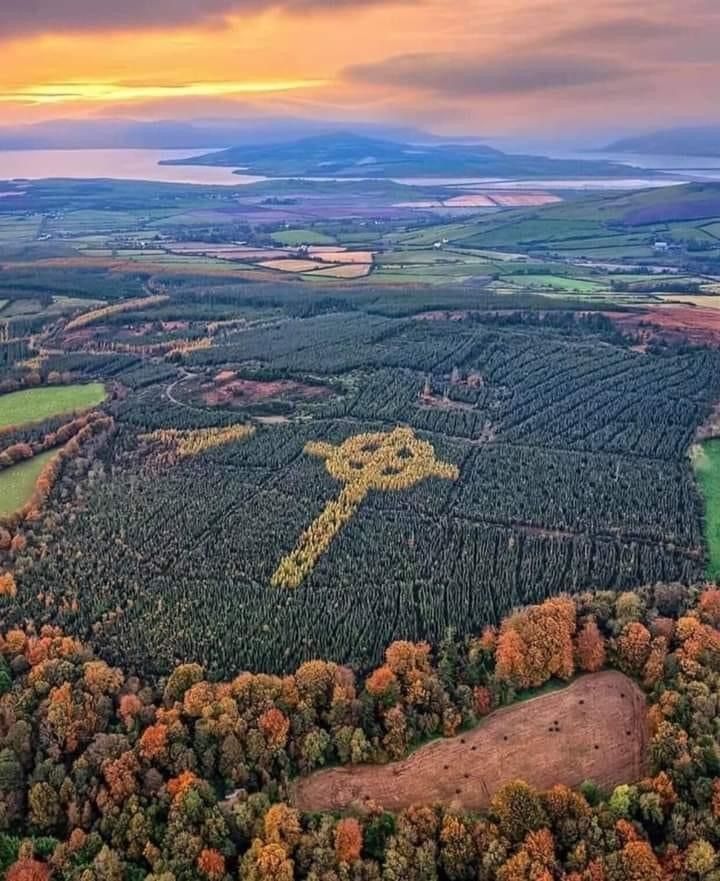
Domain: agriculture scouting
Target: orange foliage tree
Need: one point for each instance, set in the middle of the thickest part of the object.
(282, 825)
(381, 681)
(8, 588)
(178, 786)
(655, 664)
(639, 863)
(129, 708)
(709, 606)
(536, 644)
(211, 864)
(348, 840)
(590, 647)
(267, 862)
(275, 726)
(153, 742)
(633, 648)
(28, 870)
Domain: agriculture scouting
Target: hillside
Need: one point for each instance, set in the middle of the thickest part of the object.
(182, 134)
(349, 155)
(690, 141)
(615, 226)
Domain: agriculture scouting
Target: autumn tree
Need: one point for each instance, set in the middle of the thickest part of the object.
(639, 863)
(153, 741)
(129, 709)
(211, 864)
(518, 809)
(590, 647)
(182, 678)
(457, 848)
(282, 825)
(709, 606)
(275, 726)
(700, 859)
(8, 588)
(266, 862)
(348, 840)
(655, 664)
(382, 682)
(633, 648)
(26, 869)
(536, 644)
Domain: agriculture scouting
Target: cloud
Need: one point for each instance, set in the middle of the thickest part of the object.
(27, 17)
(512, 74)
(625, 30)
(661, 38)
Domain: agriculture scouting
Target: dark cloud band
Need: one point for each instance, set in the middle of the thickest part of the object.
(446, 74)
(68, 16)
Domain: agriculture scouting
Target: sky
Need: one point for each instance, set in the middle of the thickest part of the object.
(538, 68)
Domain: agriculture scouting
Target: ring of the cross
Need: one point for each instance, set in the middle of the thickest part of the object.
(380, 461)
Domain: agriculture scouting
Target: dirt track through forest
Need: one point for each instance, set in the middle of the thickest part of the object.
(595, 729)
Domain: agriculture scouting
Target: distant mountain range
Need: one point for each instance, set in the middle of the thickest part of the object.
(688, 141)
(349, 155)
(201, 134)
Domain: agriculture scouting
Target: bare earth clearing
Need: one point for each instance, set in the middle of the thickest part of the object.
(693, 324)
(250, 391)
(595, 729)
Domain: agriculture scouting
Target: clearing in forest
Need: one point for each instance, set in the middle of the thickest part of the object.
(706, 460)
(694, 324)
(36, 404)
(18, 482)
(595, 729)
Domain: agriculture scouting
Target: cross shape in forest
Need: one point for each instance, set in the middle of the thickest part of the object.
(385, 461)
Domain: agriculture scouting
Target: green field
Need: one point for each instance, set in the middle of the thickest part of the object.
(293, 237)
(17, 483)
(557, 282)
(18, 228)
(34, 405)
(707, 469)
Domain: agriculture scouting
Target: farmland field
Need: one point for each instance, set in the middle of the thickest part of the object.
(707, 468)
(33, 405)
(559, 283)
(290, 265)
(303, 237)
(18, 482)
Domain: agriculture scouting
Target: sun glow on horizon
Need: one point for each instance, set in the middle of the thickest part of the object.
(73, 91)
(480, 67)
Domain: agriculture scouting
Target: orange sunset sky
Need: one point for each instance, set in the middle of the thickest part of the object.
(478, 66)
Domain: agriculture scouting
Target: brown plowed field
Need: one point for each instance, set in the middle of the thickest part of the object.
(595, 729)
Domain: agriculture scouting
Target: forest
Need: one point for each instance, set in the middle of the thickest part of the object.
(570, 450)
(105, 776)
